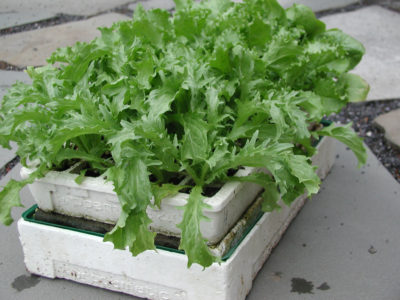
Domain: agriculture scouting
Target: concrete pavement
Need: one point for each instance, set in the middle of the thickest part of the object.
(344, 243)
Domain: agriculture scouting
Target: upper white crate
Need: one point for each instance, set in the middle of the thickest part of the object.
(95, 199)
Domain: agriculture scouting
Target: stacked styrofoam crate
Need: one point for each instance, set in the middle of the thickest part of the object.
(163, 274)
(94, 199)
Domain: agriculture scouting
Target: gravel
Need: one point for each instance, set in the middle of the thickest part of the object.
(362, 115)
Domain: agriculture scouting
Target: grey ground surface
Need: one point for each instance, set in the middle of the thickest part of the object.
(7, 78)
(347, 236)
(344, 243)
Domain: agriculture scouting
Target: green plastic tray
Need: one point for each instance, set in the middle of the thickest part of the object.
(28, 216)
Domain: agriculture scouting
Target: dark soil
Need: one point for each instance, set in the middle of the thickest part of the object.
(96, 227)
(362, 115)
(74, 222)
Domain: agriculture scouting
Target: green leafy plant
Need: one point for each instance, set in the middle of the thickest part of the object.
(216, 86)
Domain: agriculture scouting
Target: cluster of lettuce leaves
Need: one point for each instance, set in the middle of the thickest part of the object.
(215, 86)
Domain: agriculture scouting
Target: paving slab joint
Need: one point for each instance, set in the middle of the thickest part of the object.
(48, 22)
(347, 8)
(62, 18)
(393, 5)
(9, 67)
(9, 166)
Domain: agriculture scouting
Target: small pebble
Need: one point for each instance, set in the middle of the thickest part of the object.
(372, 250)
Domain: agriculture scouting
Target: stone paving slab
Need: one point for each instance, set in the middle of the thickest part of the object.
(31, 48)
(6, 155)
(345, 242)
(150, 4)
(318, 5)
(390, 123)
(13, 18)
(378, 29)
(18, 12)
(3, 91)
(11, 262)
(7, 78)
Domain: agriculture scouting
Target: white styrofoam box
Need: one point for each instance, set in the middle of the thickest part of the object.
(61, 253)
(95, 199)
(325, 157)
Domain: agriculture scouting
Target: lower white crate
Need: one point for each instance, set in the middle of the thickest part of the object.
(57, 252)
(61, 253)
